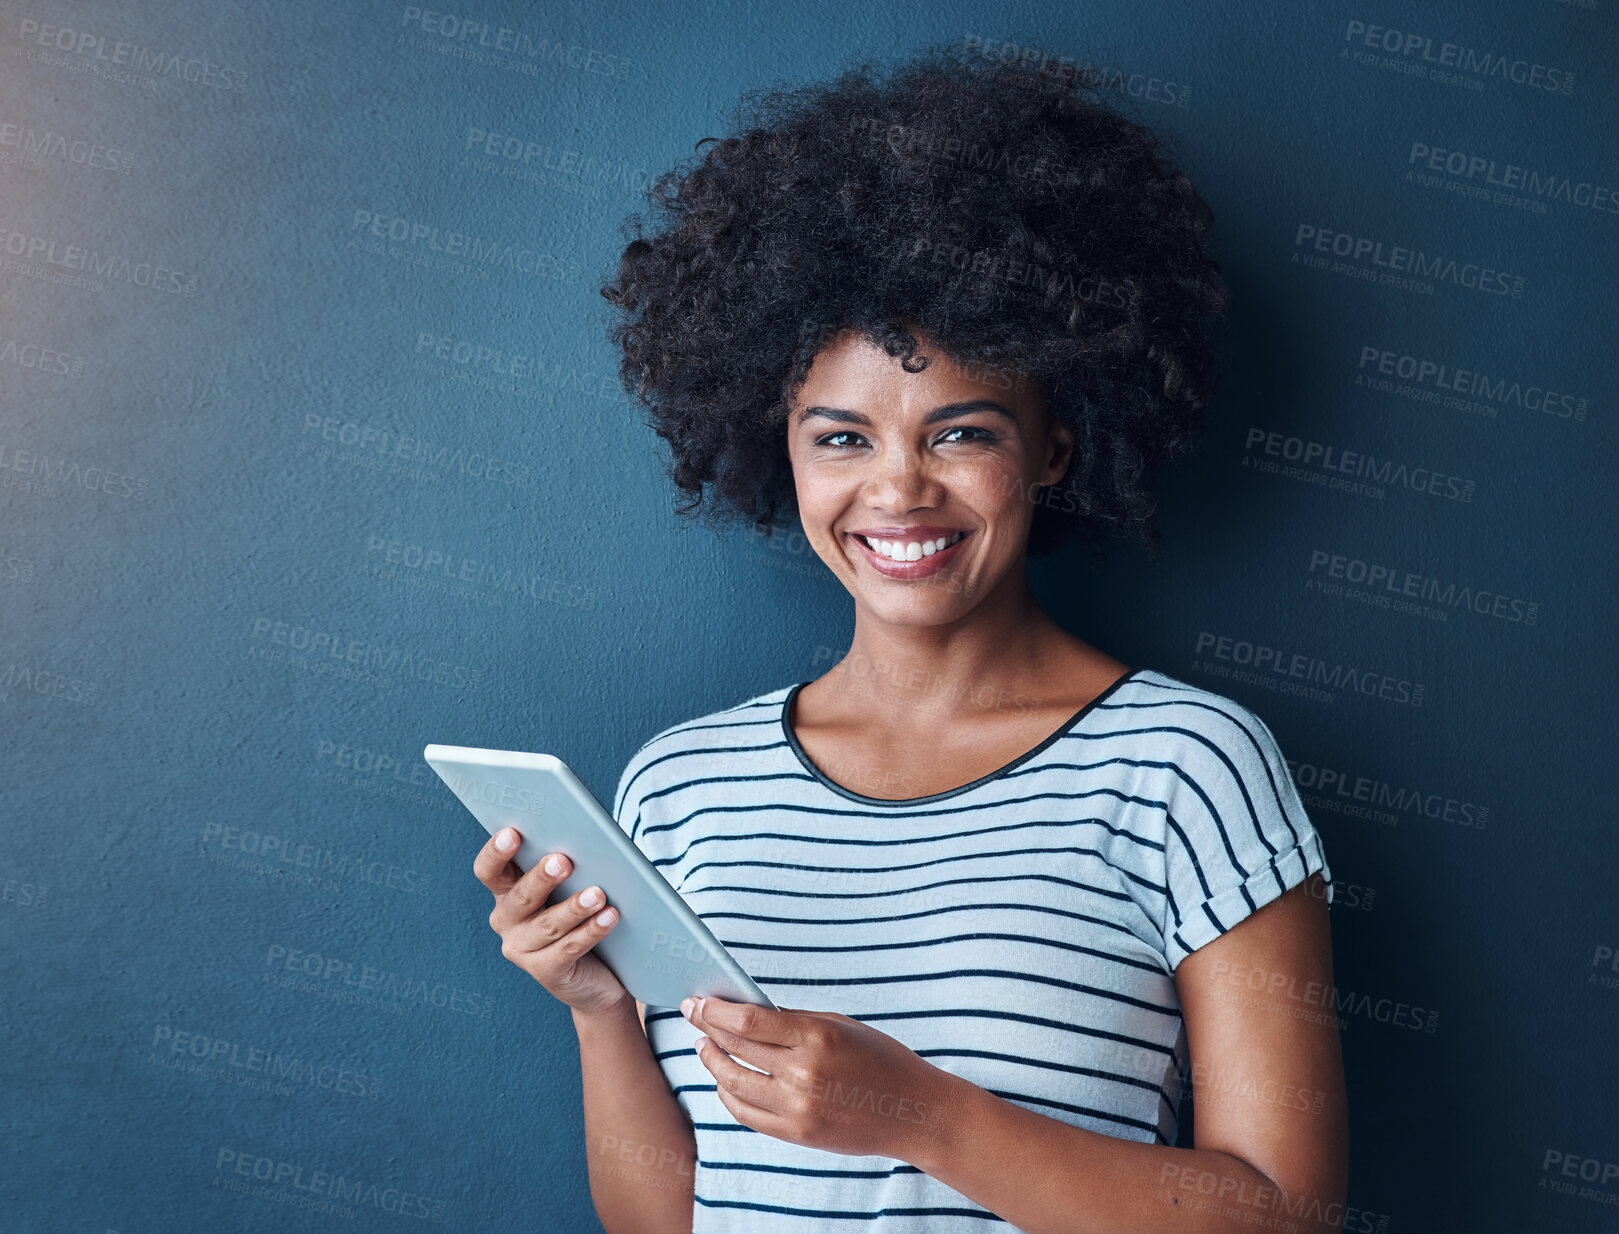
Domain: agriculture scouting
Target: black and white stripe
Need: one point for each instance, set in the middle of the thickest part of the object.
(1020, 931)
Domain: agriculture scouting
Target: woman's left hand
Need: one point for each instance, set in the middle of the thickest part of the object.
(833, 1083)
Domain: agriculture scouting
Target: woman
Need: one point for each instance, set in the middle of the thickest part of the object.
(1016, 891)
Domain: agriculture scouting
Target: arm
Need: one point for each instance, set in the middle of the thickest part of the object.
(639, 1144)
(1271, 1134)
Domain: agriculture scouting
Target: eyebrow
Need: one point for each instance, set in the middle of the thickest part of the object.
(949, 411)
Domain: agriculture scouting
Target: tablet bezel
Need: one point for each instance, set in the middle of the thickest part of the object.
(651, 911)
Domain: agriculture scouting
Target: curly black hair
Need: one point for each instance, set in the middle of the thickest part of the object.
(1009, 212)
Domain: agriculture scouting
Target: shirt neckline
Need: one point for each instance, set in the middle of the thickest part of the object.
(809, 766)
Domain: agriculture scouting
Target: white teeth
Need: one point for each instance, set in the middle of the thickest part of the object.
(913, 550)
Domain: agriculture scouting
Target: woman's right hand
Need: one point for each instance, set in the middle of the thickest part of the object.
(553, 944)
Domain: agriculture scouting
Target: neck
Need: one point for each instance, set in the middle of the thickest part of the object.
(918, 675)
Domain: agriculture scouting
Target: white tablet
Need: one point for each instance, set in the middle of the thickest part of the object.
(660, 950)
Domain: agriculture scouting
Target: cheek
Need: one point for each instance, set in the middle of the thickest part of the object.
(803, 470)
(823, 490)
(996, 489)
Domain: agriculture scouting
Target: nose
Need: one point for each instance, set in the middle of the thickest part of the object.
(902, 480)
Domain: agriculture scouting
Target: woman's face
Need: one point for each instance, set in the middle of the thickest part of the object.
(883, 458)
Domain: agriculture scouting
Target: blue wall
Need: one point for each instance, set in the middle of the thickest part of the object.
(248, 470)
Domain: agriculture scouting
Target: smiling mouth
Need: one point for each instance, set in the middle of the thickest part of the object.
(911, 550)
(893, 559)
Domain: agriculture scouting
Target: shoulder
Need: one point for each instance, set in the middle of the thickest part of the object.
(1205, 747)
(1190, 718)
(1236, 832)
(675, 751)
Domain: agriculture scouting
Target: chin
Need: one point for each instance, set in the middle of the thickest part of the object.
(929, 602)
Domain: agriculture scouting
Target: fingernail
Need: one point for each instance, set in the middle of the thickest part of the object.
(506, 840)
(552, 865)
(686, 1004)
(591, 898)
(698, 1044)
(606, 917)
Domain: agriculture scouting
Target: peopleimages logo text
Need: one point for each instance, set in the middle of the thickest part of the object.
(1398, 258)
(1458, 56)
(1473, 383)
(1462, 165)
(198, 70)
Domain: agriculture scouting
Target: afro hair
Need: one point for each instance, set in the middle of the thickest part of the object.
(1014, 215)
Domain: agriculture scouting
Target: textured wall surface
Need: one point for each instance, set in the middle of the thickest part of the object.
(312, 452)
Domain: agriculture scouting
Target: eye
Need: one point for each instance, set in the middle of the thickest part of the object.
(830, 437)
(983, 433)
(847, 439)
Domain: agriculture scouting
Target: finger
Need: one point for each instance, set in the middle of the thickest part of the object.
(755, 1087)
(748, 1114)
(527, 896)
(762, 1025)
(765, 1055)
(493, 864)
(768, 1058)
(574, 924)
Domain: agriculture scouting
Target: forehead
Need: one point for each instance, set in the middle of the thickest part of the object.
(851, 367)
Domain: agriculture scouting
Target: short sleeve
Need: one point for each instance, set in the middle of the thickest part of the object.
(1237, 835)
(626, 797)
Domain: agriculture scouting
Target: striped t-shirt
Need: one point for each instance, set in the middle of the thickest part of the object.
(1019, 931)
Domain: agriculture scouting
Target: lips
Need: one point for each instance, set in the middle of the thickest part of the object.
(903, 569)
(919, 531)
